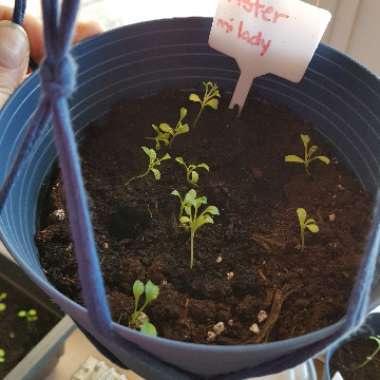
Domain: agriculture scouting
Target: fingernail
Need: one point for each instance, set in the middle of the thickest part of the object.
(14, 45)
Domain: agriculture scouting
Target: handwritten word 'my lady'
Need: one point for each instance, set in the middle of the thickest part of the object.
(261, 10)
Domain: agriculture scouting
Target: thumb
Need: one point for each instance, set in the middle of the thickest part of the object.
(14, 58)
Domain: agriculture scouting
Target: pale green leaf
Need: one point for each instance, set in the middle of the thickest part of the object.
(190, 197)
(3, 306)
(155, 128)
(305, 139)
(21, 314)
(184, 220)
(151, 291)
(3, 296)
(312, 228)
(203, 166)
(312, 150)
(213, 210)
(180, 160)
(164, 127)
(294, 158)
(301, 212)
(187, 210)
(182, 113)
(138, 289)
(324, 159)
(213, 103)
(200, 201)
(194, 177)
(195, 98)
(146, 150)
(311, 221)
(148, 329)
(156, 173)
(165, 157)
(183, 128)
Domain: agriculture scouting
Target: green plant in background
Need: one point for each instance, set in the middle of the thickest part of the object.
(154, 162)
(190, 216)
(306, 223)
(139, 319)
(3, 305)
(2, 356)
(309, 155)
(374, 353)
(166, 134)
(192, 175)
(210, 99)
(30, 315)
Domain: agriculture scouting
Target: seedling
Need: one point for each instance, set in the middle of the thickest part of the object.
(210, 99)
(166, 134)
(30, 316)
(374, 353)
(3, 305)
(309, 155)
(192, 175)
(191, 219)
(139, 319)
(306, 224)
(2, 355)
(154, 162)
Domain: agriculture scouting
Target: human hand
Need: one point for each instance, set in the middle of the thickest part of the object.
(18, 44)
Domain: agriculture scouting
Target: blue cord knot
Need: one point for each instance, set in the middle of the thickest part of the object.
(58, 79)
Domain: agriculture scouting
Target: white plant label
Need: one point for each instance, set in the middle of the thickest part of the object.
(267, 37)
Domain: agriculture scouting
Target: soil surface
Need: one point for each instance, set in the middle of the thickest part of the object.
(249, 261)
(349, 360)
(17, 336)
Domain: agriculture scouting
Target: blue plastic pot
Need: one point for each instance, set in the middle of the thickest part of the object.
(370, 328)
(339, 96)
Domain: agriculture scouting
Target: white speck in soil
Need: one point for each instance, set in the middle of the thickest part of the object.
(60, 214)
(332, 217)
(255, 329)
(230, 276)
(211, 336)
(262, 316)
(218, 328)
(219, 259)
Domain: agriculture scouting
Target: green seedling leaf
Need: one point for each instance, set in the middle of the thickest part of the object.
(182, 113)
(156, 173)
(3, 307)
(194, 177)
(21, 314)
(301, 212)
(151, 291)
(3, 296)
(148, 329)
(213, 103)
(203, 166)
(195, 98)
(180, 160)
(2, 355)
(138, 290)
(309, 153)
(164, 127)
(306, 223)
(184, 128)
(312, 228)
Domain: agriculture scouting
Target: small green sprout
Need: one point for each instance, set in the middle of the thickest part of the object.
(210, 99)
(192, 175)
(306, 223)
(3, 305)
(138, 318)
(309, 153)
(30, 315)
(166, 134)
(2, 355)
(191, 219)
(154, 162)
(374, 353)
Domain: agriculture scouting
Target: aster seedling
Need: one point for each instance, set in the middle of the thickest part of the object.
(369, 358)
(153, 163)
(30, 316)
(139, 319)
(3, 305)
(306, 223)
(309, 155)
(166, 134)
(192, 175)
(2, 356)
(210, 99)
(190, 216)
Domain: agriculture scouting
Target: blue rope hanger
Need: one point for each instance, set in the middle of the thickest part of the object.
(58, 82)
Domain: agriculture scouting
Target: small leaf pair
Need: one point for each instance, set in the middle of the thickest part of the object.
(308, 155)
(138, 318)
(369, 358)
(192, 175)
(166, 134)
(210, 99)
(2, 355)
(30, 315)
(306, 223)
(190, 216)
(154, 162)
(3, 305)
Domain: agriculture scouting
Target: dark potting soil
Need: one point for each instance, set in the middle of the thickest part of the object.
(17, 336)
(249, 260)
(352, 355)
